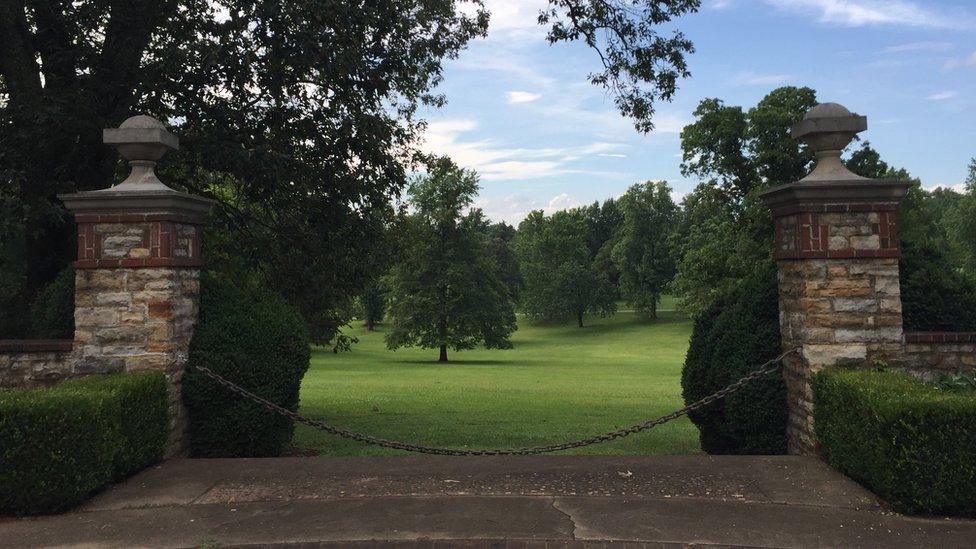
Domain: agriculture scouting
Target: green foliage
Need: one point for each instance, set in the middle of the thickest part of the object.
(373, 305)
(445, 291)
(910, 443)
(144, 426)
(60, 445)
(730, 339)
(559, 277)
(254, 338)
(640, 66)
(960, 382)
(937, 293)
(299, 117)
(500, 247)
(53, 311)
(726, 229)
(644, 253)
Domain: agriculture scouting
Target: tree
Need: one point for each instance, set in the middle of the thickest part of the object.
(737, 154)
(645, 254)
(559, 278)
(603, 223)
(373, 305)
(444, 290)
(640, 66)
(299, 117)
(500, 247)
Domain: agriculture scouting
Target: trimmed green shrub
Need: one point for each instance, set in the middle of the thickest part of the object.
(256, 339)
(144, 427)
(911, 443)
(733, 337)
(935, 295)
(62, 444)
(52, 314)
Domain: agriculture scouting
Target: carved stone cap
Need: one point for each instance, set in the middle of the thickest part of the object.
(828, 128)
(858, 191)
(142, 140)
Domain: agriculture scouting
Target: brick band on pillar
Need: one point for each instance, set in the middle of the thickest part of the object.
(137, 279)
(836, 238)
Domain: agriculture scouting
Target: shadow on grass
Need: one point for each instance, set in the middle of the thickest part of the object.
(455, 362)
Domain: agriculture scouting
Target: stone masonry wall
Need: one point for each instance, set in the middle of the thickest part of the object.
(137, 319)
(34, 363)
(931, 354)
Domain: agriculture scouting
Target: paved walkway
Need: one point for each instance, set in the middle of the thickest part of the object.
(475, 502)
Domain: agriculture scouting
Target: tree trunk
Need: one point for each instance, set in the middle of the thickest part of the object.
(442, 332)
(654, 307)
(579, 318)
(370, 326)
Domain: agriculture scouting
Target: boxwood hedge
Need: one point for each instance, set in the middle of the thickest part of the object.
(737, 334)
(909, 442)
(60, 445)
(256, 339)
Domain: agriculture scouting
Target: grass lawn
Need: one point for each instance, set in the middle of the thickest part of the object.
(559, 382)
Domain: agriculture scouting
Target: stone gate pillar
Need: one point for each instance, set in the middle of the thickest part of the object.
(837, 257)
(137, 276)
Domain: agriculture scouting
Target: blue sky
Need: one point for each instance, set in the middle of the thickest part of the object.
(523, 115)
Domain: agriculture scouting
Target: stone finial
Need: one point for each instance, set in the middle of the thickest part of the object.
(828, 128)
(142, 140)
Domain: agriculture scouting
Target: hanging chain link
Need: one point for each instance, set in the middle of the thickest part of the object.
(768, 367)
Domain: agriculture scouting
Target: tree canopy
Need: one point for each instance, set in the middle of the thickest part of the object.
(645, 254)
(300, 118)
(559, 277)
(445, 291)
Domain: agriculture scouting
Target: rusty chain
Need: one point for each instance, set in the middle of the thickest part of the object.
(768, 367)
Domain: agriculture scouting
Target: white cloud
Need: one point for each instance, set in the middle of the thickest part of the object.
(521, 96)
(561, 201)
(720, 4)
(919, 46)
(613, 155)
(497, 162)
(859, 13)
(513, 208)
(943, 95)
(750, 78)
(955, 62)
(958, 187)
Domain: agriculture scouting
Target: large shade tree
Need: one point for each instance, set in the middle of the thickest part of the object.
(645, 252)
(559, 277)
(736, 154)
(299, 117)
(445, 292)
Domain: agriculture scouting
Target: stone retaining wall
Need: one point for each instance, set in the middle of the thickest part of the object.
(35, 363)
(931, 354)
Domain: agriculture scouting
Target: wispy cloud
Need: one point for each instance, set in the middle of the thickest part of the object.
(496, 162)
(943, 95)
(719, 4)
(859, 13)
(956, 62)
(521, 96)
(919, 46)
(750, 78)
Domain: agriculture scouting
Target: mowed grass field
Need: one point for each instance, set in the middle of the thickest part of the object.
(560, 382)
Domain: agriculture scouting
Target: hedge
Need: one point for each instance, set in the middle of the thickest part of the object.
(62, 444)
(53, 312)
(911, 443)
(733, 337)
(256, 339)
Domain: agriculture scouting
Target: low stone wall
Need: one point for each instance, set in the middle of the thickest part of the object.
(35, 363)
(931, 354)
